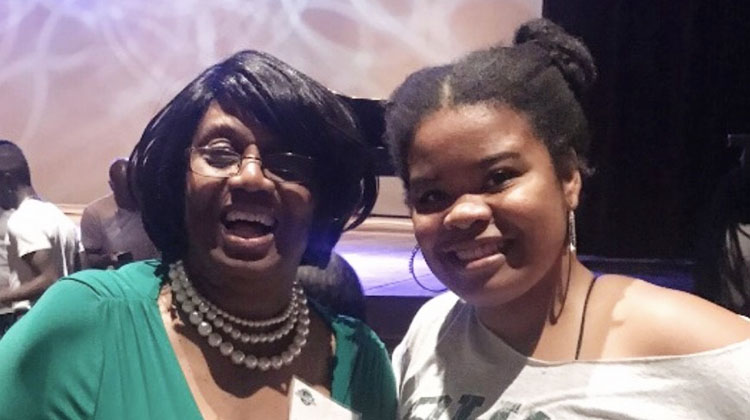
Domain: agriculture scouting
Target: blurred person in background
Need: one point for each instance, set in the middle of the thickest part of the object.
(112, 232)
(335, 286)
(42, 242)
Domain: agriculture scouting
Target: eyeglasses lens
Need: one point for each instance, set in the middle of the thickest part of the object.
(281, 167)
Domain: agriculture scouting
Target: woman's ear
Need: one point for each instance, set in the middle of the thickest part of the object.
(572, 188)
(571, 179)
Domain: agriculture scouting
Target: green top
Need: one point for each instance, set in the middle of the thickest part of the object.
(94, 347)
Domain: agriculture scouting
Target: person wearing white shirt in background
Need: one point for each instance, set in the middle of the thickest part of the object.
(42, 242)
(112, 232)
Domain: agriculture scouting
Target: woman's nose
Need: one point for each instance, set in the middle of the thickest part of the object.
(251, 176)
(467, 212)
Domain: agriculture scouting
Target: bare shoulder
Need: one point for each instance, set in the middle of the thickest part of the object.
(651, 320)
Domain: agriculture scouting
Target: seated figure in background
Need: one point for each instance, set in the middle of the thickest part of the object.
(335, 286)
(112, 232)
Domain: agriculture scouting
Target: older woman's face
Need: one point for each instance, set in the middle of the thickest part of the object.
(488, 209)
(247, 224)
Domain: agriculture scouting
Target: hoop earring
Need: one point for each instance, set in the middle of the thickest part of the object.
(572, 231)
(414, 253)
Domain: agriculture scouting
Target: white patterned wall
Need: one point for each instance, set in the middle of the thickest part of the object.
(79, 79)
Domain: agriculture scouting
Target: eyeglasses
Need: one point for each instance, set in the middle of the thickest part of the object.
(225, 163)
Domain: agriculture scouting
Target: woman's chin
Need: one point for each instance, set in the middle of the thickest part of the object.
(470, 277)
(226, 262)
(492, 287)
(246, 248)
(243, 255)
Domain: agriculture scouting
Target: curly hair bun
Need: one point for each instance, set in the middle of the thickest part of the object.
(568, 53)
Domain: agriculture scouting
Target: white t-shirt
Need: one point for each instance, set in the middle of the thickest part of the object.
(111, 230)
(449, 366)
(38, 225)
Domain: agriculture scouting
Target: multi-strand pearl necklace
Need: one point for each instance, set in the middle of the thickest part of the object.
(211, 321)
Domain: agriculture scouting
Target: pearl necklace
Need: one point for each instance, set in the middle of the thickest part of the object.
(210, 321)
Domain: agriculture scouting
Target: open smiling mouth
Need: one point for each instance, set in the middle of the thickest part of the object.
(249, 224)
(479, 255)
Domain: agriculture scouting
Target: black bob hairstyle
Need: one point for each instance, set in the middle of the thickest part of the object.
(542, 76)
(303, 115)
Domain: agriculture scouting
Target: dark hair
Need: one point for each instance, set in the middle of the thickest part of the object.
(541, 76)
(722, 273)
(335, 286)
(300, 111)
(117, 167)
(13, 163)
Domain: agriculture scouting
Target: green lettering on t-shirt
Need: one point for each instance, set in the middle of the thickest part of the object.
(466, 404)
(507, 409)
(440, 403)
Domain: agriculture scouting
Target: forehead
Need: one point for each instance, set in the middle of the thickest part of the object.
(466, 135)
(220, 122)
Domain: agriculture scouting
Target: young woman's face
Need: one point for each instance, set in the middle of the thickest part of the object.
(248, 223)
(488, 208)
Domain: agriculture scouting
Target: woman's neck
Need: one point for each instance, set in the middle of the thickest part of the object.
(246, 295)
(549, 309)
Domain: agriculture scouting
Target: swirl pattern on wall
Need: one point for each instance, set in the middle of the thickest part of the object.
(81, 78)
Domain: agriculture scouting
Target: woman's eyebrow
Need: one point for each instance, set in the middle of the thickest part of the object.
(421, 182)
(424, 181)
(218, 129)
(498, 157)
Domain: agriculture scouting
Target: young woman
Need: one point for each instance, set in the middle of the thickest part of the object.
(252, 168)
(490, 150)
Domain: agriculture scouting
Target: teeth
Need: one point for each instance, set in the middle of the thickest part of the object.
(476, 252)
(243, 216)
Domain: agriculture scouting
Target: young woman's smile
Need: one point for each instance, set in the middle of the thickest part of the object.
(477, 255)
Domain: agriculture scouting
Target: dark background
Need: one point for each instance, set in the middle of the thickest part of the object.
(674, 80)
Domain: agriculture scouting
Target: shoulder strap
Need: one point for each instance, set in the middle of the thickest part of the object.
(583, 316)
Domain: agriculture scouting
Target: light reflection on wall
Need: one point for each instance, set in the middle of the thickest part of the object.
(81, 78)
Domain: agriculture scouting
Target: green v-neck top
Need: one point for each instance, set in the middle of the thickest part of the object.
(94, 347)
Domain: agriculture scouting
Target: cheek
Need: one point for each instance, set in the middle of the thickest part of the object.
(298, 212)
(299, 205)
(202, 201)
(426, 230)
(539, 216)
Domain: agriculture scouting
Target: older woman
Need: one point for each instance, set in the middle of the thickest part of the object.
(490, 151)
(249, 170)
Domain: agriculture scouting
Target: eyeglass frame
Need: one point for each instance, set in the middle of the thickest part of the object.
(252, 158)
